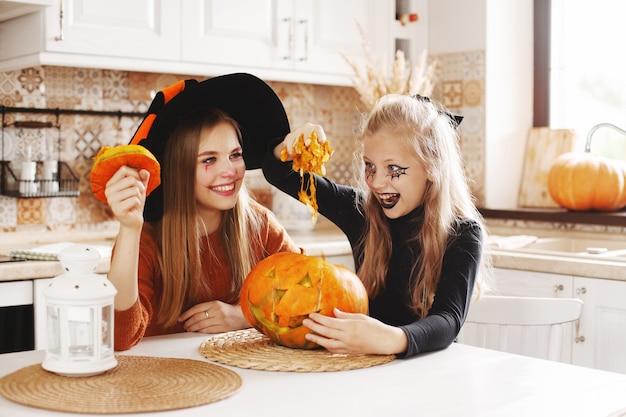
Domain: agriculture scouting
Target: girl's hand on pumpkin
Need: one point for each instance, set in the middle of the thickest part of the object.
(292, 137)
(352, 333)
(213, 317)
(126, 195)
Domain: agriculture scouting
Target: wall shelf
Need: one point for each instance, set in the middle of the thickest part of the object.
(64, 185)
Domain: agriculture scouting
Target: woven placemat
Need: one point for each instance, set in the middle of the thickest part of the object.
(137, 384)
(251, 349)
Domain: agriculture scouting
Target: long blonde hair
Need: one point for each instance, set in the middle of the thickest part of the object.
(181, 230)
(428, 134)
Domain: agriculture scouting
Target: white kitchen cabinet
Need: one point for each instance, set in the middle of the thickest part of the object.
(289, 38)
(113, 34)
(16, 293)
(528, 284)
(41, 337)
(599, 339)
(281, 40)
(12, 9)
(531, 284)
(602, 332)
(146, 29)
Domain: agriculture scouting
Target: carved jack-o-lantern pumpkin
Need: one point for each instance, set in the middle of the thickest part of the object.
(283, 289)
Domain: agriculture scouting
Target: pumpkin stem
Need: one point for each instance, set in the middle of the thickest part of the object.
(596, 127)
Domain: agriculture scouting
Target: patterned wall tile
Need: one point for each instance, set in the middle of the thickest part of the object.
(87, 143)
(9, 149)
(31, 211)
(82, 168)
(346, 123)
(139, 86)
(451, 66)
(462, 91)
(31, 81)
(473, 92)
(345, 99)
(114, 86)
(59, 82)
(473, 65)
(452, 93)
(9, 92)
(63, 102)
(341, 172)
(60, 212)
(8, 213)
(335, 108)
(88, 85)
(89, 210)
(473, 121)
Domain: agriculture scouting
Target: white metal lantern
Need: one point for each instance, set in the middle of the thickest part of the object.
(79, 322)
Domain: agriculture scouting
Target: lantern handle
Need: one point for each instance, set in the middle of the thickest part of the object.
(596, 127)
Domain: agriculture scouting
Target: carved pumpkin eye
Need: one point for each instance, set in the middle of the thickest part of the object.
(283, 289)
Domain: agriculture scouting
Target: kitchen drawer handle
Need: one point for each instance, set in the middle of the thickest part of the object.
(558, 288)
(287, 57)
(60, 36)
(581, 290)
(306, 39)
(579, 338)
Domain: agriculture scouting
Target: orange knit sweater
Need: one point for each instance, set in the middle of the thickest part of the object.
(139, 320)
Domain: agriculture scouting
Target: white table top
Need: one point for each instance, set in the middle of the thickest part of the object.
(458, 381)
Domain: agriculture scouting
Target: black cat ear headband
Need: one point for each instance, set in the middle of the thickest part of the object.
(454, 118)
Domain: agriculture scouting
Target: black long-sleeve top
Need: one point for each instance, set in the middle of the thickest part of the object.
(460, 263)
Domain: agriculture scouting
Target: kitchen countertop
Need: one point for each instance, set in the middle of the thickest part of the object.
(461, 380)
(325, 240)
(563, 265)
(11, 271)
(560, 265)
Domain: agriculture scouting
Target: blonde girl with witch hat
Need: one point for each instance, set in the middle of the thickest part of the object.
(183, 252)
(416, 236)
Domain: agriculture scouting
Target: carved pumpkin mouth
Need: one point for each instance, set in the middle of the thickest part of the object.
(293, 322)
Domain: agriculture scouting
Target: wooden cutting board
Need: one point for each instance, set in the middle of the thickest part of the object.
(543, 146)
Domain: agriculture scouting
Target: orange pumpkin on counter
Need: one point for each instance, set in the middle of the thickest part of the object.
(284, 288)
(584, 181)
(110, 159)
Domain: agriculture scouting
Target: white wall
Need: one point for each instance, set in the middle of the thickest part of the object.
(504, 30)
(456, 26)
(509, 97)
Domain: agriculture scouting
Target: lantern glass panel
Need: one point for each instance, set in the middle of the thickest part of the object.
(80, 321)
(53, 330)
(107, 330)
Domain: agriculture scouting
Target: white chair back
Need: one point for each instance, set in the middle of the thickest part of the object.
(531, 326)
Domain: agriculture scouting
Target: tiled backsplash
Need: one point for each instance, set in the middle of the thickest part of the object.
(461, 89)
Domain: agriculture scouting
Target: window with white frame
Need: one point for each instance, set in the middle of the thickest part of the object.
(587, 71)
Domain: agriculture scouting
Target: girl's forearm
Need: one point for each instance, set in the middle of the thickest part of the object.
(123, 272)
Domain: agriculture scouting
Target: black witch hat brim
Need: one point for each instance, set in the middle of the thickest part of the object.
(244, 97)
